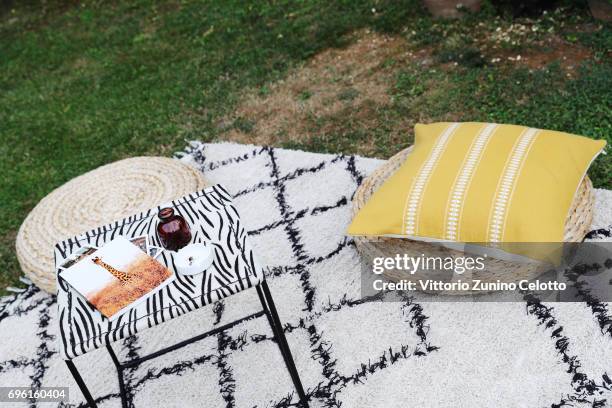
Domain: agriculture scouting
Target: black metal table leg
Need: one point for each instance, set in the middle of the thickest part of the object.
(81, 384)
(119, 367)
(267, 303)
(269, 309)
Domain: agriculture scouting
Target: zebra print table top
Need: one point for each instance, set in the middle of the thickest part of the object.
(212, 218)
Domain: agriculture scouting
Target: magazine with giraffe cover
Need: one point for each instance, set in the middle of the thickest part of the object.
(117, 276)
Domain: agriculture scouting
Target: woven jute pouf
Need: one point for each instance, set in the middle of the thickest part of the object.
(103, 195)
(576, 227)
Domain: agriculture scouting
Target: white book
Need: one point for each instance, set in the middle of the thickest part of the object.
(117, 277)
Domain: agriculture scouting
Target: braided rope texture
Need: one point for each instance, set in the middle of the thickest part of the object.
(101, 196)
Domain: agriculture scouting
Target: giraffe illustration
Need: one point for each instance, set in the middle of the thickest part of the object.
(122, 276)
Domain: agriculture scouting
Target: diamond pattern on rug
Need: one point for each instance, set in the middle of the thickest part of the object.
(350, 352)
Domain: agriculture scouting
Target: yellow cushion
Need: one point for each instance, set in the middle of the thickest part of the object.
(481, 182)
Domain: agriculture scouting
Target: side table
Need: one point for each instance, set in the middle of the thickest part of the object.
(212, 218)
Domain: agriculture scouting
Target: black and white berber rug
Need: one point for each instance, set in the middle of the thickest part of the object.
(350, 353)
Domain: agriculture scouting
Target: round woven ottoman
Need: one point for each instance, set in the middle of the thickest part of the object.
(103, 195)
(577, 226)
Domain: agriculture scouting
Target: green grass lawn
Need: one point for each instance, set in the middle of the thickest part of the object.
(87, 84)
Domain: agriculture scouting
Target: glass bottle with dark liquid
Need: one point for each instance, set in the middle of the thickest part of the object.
(172, 229)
